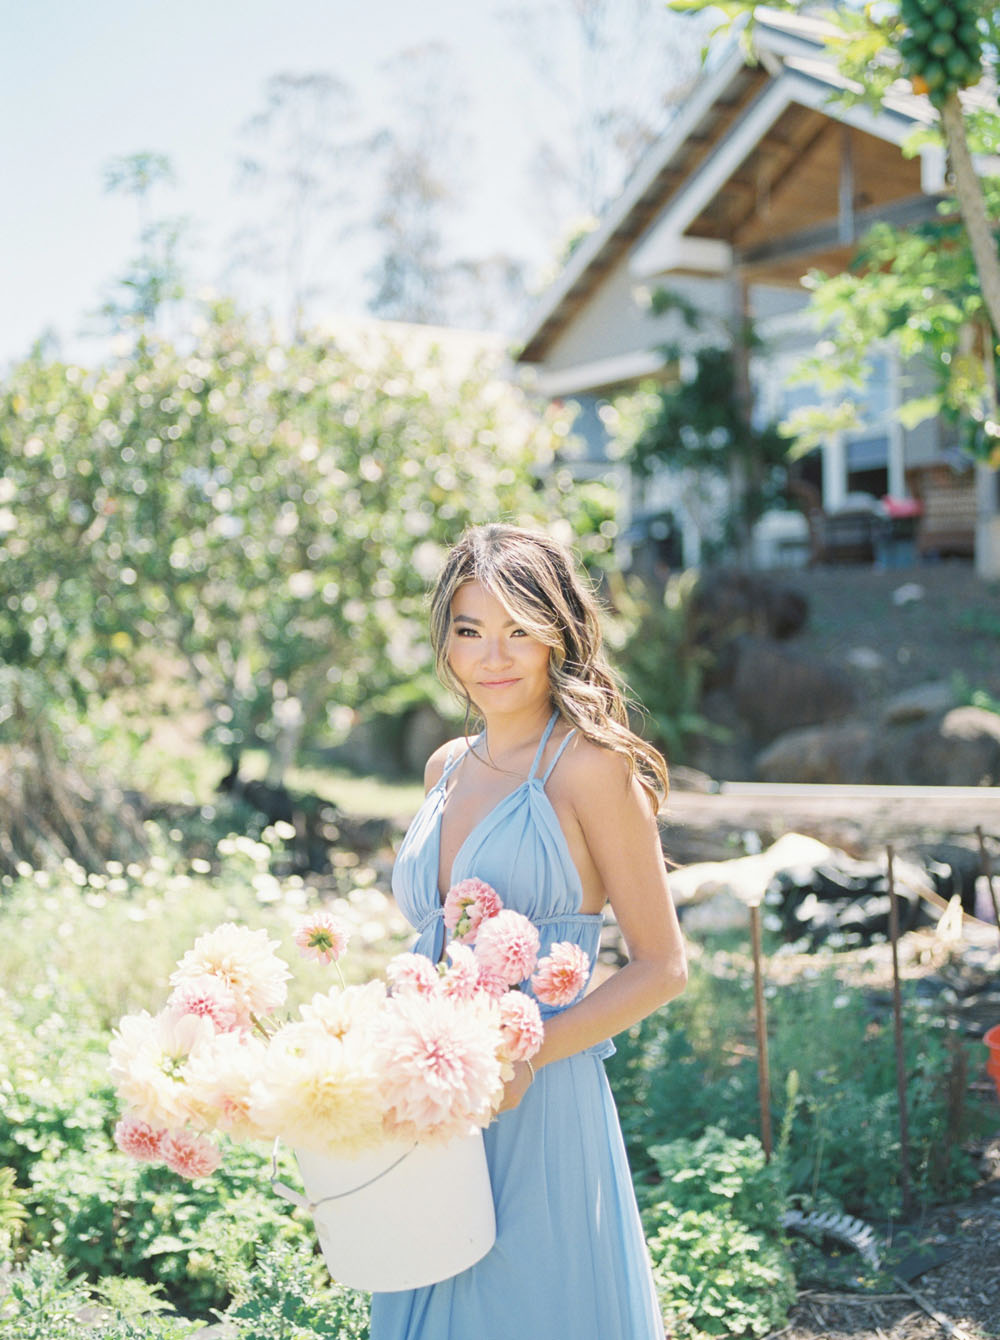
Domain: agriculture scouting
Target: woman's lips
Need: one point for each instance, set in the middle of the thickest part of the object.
(496, 683)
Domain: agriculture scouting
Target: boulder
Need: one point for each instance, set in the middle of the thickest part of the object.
(745, 877)
(775, 690)
(842, 753)
(727, 604)
(924, 700)
(959, 748)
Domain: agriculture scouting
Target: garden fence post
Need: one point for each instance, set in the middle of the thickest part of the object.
(897, 1012)
(763, 1067)
(986, 868)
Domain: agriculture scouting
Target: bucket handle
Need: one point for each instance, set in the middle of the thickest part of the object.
(297, 1198)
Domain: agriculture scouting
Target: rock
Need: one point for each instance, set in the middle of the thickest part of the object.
(721, 912)
(915, 704)
(775, 690)
(960, 748)
(727, 604)
(866, 659)
(847, 898)
(908, 593)
(744, 877)
(843, 754)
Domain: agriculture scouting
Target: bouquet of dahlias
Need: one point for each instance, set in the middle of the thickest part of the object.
(423, 1055)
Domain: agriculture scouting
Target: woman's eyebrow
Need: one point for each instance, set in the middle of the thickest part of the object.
(467, 618)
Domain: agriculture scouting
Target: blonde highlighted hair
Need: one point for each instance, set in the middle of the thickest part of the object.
(540, 586)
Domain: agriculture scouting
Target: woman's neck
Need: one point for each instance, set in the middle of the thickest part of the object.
(510, 733)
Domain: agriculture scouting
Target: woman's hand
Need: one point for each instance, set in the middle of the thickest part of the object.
(517, 1087)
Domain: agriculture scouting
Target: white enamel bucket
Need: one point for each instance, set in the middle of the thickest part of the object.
(401, 1215)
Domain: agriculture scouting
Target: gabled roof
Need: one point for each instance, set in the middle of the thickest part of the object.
(736, 104)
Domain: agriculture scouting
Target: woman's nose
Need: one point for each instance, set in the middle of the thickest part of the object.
(495, 651)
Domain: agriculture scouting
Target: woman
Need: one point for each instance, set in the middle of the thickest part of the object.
(553, 804)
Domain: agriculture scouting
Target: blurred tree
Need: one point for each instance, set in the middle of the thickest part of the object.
(605, 77)
(154, 278)
(262, 521)
(418, 275)
(300, 169)
(703, 425)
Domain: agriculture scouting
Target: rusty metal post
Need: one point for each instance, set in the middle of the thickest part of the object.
(763, 1065)
(986, 868)
(897, 1013)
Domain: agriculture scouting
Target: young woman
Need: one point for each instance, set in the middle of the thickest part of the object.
(553, 804)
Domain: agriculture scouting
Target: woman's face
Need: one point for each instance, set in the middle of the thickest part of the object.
(500, 666)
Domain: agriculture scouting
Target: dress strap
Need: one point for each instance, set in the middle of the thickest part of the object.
(548, 772)
(453, 759)
(542, 743)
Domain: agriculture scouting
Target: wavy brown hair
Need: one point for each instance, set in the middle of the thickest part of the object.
(540, 586)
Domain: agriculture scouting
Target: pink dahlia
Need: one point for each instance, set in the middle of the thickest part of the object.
(491, 983)
(245, 961)
(507, 945)
(189, 1155)
(412, 974)
(139, 1140)
(322, 936)
(562, 974)
(438, 1063)
(461, 980)
(521, 1026)
(208, 997)
(468, 904)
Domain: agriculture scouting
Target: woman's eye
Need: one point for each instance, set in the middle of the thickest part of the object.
(519, 632)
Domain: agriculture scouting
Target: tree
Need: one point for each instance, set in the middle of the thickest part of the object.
(605, 77)
(303, 155)
(154, 278)
(702, 425)
(262, 519)
(418, 274)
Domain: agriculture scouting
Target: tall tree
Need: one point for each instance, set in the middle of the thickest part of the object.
(417, 192)
(303, 149)
(604, 77)
(154, 278)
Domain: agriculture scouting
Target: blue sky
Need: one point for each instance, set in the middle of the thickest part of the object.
(81, 84)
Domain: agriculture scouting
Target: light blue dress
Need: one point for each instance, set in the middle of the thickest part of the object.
(570, 1258)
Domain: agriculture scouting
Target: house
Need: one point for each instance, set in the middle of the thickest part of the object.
(757, 180)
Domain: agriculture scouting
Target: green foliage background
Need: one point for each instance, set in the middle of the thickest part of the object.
(260, 521)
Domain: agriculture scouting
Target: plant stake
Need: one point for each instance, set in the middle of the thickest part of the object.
(763, 1068)
(986, 868)
(897, 1013)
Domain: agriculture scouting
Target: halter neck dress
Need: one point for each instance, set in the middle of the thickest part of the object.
(570, 1258)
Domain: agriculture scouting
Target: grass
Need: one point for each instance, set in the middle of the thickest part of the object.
(168, 761)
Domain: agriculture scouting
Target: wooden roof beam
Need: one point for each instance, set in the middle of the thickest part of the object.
(828, 235)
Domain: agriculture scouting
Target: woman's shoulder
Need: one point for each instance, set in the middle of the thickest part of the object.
(601, 783)
(593, 767)
(435, 765)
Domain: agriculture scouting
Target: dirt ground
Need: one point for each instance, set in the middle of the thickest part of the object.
(960, 1297)
(951, 627)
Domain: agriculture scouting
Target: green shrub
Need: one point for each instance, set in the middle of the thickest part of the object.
(289, 1296)
(663, 663)
(42, 1302)
(713, 1223)
(105, 1214)
(694, 1065)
